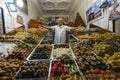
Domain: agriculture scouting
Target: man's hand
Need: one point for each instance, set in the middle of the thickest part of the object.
(39, 26)
(79, 27)
(42, 26)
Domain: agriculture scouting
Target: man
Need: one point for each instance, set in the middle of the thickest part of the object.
(60, 31)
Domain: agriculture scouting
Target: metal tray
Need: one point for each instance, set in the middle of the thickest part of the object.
(49, 69)
(28, 58)
(41, 40)
(47, 78)
(31, 53)
(61, 46)
(77, 69)
(34, 50)
(74, 39)
(71, 52)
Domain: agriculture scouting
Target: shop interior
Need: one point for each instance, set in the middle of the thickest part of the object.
(91, 31)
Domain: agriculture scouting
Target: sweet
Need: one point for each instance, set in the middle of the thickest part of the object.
(35, 69)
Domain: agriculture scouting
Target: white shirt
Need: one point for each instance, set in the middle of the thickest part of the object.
(60, 33)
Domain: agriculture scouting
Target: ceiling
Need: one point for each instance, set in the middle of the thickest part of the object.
(54, 7)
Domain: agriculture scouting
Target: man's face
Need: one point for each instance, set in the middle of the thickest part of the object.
(60, 22)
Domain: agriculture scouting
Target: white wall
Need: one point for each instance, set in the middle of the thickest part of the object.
(73, 10)
(10, 17)
(33, 11)
(83, 5)
(7, 16)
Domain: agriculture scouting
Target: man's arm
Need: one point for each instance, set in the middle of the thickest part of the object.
(47, 27)
(75, 28)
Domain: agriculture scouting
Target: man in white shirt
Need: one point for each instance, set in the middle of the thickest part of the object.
(60, 31)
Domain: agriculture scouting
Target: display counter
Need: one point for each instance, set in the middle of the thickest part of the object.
(88, 55)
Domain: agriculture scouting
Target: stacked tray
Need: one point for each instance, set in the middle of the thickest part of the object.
(63, 64)
(39, 64)
(93, 67)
